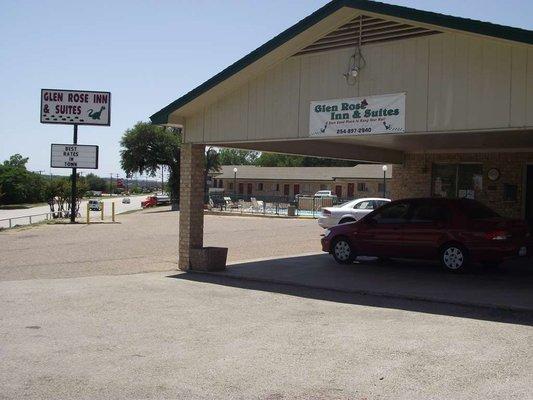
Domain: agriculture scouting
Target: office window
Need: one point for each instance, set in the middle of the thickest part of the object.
(277, 187)
(231, 186)
(260, 186)
(362, 187)
(457, 180)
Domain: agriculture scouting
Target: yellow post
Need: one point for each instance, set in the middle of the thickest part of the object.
(88, 211)
(102, 211)
(113, 211)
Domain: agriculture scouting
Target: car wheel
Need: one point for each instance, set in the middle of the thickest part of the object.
(454, 258)
(346, 220)
(342, 251)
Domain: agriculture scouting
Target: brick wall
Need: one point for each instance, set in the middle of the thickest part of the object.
(413, 178)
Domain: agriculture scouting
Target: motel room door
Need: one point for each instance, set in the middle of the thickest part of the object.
(338, 191)
(351, 190)
(296, 189)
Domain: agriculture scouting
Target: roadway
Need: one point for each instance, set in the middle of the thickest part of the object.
(22, 215)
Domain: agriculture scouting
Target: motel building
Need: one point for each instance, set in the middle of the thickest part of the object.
(447, 100)
(271, 183)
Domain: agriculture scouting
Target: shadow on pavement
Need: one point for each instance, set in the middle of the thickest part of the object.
(503, 295)
(160, 211)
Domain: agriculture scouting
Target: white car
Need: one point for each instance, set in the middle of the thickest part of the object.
(94, 205)
(350, 211)
(126, 200)
(325, 193)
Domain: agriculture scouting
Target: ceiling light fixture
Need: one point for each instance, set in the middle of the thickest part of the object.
(357, 61)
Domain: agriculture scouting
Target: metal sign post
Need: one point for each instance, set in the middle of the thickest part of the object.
(74, 182)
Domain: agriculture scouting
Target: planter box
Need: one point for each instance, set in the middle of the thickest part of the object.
(208, 258)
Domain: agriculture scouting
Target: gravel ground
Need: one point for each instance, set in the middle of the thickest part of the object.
(142, 242)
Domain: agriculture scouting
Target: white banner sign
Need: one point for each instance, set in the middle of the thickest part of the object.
(79, 107)
(358, 116)
(74, 156)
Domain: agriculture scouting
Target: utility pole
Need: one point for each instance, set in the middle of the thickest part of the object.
(110, 183)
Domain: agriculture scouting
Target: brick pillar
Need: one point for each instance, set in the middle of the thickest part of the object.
(191, 226)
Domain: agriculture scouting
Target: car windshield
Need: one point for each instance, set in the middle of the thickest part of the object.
(476, 210)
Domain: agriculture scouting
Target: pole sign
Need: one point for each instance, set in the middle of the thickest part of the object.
(358, 116)
(75, 107)
(74, 156)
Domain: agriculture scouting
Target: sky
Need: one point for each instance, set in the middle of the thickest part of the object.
(147, 54)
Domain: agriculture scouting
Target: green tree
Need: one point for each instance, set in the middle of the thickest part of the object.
(146, 148)
(95, 182)
(57, 193)
(286, 160)
(212, 164)
(18, 184)
(278, 160)
(237, 157)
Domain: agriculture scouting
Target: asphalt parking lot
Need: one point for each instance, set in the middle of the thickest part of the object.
(94, 312)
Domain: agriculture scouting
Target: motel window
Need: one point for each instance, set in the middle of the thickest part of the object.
(362, 187)
(277, 187)
(220, 183)
(260, 186)
(457, 180)
(231, 186)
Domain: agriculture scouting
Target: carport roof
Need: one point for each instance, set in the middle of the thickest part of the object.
(427, 17)
(361, 171)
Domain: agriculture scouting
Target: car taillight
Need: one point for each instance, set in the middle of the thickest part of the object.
(497, 235)
(326, 212)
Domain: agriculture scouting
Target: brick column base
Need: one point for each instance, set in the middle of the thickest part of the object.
(191, 223)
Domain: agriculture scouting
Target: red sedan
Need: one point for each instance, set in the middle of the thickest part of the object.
(458, 232)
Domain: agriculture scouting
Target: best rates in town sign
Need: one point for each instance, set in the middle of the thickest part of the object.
(74, 156)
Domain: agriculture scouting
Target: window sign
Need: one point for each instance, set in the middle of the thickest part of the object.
(457, 180)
